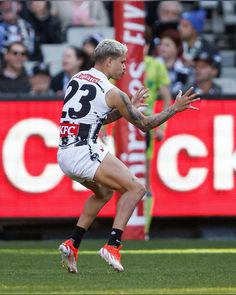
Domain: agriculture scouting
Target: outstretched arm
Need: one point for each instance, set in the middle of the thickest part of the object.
(112, 116)
(136, 101)
(121, 101)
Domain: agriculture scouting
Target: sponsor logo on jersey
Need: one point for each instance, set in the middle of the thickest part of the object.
(94, 156)
(88, 77)
(67, 129)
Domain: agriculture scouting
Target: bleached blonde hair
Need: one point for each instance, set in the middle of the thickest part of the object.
(109, 48)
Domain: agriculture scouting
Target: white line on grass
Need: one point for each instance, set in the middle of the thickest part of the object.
(126, 252)
(177, 291)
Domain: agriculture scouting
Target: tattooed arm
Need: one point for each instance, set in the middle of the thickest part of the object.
(119, 100)
(141, 121)
(136, 101)
(112, 116)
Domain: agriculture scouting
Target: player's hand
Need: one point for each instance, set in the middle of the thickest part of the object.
(139, 97)
(183, 101)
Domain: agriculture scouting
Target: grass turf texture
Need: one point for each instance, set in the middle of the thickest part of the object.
(154, 267)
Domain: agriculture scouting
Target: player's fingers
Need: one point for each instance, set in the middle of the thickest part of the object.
(179, 94)
(145, 96)
(144, 91)
(141, 89)
(188, 91)
(193, 108)
(140, 92)
(195, 99)
(194, 95)
(137, 93)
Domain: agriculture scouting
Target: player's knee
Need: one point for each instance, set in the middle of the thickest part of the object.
(105, 194)
(139, 190)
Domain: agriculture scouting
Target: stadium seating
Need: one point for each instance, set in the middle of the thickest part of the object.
(76, 35)
(213, 32)
(228, 58)
(228, 84)
(52, 55)
(229, 12)
(229, 72)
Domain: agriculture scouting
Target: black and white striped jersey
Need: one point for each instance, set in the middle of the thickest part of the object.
(85, 107)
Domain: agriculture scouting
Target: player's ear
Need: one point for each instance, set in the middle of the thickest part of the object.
(109, 61)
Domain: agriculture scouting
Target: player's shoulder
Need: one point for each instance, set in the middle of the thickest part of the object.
(114, 96)
(114, 91)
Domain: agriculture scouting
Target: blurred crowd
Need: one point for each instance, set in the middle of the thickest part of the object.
(176, 53)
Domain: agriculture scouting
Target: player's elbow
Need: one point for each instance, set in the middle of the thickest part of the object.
(143, 125)
(143, 128)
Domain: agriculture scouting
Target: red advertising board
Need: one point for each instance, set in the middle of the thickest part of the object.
(193, 170)
(31, 183)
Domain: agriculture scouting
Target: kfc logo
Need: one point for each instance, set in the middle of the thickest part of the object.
(67, 129)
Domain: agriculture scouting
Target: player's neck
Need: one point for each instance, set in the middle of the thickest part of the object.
(102, 69)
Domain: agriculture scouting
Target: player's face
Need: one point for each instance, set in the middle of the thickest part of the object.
(117, 67)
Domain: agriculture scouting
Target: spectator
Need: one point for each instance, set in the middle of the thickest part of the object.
(90, 43)
(81, 13)
(190, 28)
(74, 60)
(46, 26)
(207, 67)
(168, 15)
(15, 29)
(170, 50)
(162, 11)
(169, 11)
(13, 77)
(40, 79)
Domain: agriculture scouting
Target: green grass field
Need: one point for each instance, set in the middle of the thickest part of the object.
(154, 267)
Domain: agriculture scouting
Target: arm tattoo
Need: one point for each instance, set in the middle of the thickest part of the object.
(146, 123)
(157, 119)
(113, 116)
(135, 115)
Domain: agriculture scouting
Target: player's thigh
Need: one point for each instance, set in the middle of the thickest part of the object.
(114, 174)
(100, 191)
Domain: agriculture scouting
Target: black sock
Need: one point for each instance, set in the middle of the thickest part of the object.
(115, 237)
(77, 236)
